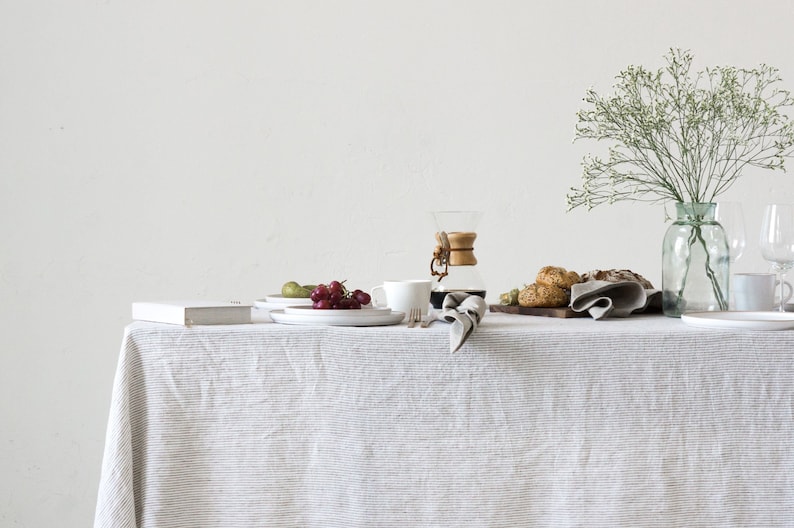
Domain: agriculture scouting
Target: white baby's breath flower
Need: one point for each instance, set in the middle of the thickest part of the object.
(682, 137)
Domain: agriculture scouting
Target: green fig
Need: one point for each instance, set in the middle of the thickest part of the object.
(294, 290)
(510, 298)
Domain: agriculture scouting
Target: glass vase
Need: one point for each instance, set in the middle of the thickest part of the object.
(695, 262)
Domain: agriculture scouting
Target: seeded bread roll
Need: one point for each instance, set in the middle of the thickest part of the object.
(616, 275)
(543, 296)
(557, 276)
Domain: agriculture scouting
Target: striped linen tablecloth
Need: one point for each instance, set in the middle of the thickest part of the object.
(641, 422)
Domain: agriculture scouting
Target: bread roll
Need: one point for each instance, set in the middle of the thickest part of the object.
(557, 276)
(543, 296)
(616, 275)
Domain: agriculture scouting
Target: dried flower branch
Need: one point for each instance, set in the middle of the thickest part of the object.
(682, 138)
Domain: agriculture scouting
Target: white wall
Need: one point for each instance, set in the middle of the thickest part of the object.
(174, 148)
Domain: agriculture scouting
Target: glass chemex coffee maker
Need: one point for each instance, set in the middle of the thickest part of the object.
(454, 263)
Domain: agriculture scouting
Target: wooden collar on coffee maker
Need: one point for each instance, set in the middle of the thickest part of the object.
(453, 249)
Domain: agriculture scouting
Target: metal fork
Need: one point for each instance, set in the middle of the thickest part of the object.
(414, 316)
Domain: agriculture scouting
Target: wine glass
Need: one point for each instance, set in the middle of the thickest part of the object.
(731, 218)
(777, 241)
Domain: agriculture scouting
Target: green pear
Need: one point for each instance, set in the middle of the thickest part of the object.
(294, 290)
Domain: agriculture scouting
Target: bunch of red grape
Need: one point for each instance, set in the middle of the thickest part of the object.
(334, 296)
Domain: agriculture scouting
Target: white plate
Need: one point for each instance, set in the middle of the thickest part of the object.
(277, 298)
(261, 304)
(741, 320)
(337, 318)
(364, 311)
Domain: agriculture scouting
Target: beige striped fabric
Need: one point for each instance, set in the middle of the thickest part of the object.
(637, 422)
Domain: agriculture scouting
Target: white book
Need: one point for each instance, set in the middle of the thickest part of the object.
(195, 312)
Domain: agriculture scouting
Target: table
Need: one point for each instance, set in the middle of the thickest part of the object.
(640, 422)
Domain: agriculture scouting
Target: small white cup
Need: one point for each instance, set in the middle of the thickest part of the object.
(755, 292)
(402, 295)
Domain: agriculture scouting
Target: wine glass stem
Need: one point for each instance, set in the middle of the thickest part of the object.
(781, 277)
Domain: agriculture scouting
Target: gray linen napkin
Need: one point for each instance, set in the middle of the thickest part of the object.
(464, 311)
(612, 299)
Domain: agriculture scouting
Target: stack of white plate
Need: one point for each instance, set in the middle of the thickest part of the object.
(366, 316)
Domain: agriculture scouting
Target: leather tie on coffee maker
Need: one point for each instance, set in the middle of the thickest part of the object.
(440, 257)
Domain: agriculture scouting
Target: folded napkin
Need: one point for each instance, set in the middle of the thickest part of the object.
(464, 311)
(612, 299)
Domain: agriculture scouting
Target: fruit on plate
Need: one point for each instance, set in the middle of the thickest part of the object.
(335, 296)
(294, 290)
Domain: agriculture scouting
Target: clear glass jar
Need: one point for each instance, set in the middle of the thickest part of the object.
(695, 262)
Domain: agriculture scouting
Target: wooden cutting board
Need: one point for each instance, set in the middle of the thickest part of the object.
(563, 312)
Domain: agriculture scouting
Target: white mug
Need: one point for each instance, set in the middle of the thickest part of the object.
(755, 292)
(402, 295)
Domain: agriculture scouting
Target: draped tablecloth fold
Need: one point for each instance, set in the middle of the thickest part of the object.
(640, 421)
